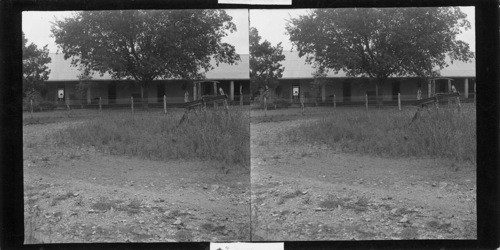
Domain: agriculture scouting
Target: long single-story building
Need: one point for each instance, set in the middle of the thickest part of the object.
(298, 76)
(296, 82)
(62, 85)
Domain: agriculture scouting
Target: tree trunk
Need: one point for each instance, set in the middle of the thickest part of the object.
(379, 82)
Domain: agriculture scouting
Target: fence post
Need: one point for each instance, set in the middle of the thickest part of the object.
(302, 103)
(132, 103)
(334, 101)
(66, 101)
(31, 107)
(165, 103)
(100, 104)
(366, 101)
(399, 101)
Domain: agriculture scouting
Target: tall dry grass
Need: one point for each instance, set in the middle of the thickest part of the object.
(443, 133)
(211, 135)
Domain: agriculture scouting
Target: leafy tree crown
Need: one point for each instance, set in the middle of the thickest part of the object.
(380, 43)
(147, 44)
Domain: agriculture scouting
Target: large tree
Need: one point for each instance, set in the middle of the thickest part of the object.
(35, 69)
(380, 43)
(144, 45)
(265, 67)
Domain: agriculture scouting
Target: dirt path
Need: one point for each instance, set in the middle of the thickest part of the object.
(310, 192)
(81, 195)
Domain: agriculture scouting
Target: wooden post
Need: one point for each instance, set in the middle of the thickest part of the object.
(334, 101)
(466, 88)
(66, 101)
(132, 103)
(265, 103)
(399, 101)
(366, 101)
(241, 94)
(302, 103)
(429, 89)
(165, 103)
(226, 106)
(231, 91)
(31, 107)
(100, 104)
(194, 91)
(323, 93)
(215, 93)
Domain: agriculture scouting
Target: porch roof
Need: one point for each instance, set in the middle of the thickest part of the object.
(297, 68)
(62, 70)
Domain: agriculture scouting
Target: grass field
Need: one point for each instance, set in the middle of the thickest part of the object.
(443, 133)
(212, 135)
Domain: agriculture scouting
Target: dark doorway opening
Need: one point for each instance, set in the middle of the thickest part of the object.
(160, 90)
(346, 91)
(441, 86)
(112, 93)
(395, 90)
(296, 92)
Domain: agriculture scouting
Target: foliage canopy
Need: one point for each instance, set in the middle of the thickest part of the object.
(265, 67)
(380, 43)
(144, 45)
(35, 69)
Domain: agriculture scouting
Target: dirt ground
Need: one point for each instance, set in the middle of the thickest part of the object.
(298, 192)
(311, 192)
(81, 195)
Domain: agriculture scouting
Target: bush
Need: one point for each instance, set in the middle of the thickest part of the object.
(210, 135)
(38, 105)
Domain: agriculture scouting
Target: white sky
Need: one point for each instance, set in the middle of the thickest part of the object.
(37, 24)
(270, 23)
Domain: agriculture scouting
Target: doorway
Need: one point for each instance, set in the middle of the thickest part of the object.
(112, 93)
(395, 90)
(346, 91)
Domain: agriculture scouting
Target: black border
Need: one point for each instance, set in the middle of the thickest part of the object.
(488, 101)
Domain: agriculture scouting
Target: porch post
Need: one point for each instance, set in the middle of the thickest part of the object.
(466, 88)
(89, 98)
(231, 91)
(323, 95)
(194, 91)
(449, 85)
(429, 88)
(215, 88)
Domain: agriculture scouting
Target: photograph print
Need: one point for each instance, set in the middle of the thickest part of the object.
(249, 125)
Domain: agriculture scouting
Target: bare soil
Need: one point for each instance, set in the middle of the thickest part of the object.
(81, 195)
(312, 192)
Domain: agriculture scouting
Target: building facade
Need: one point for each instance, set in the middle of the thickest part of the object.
(63, 85)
